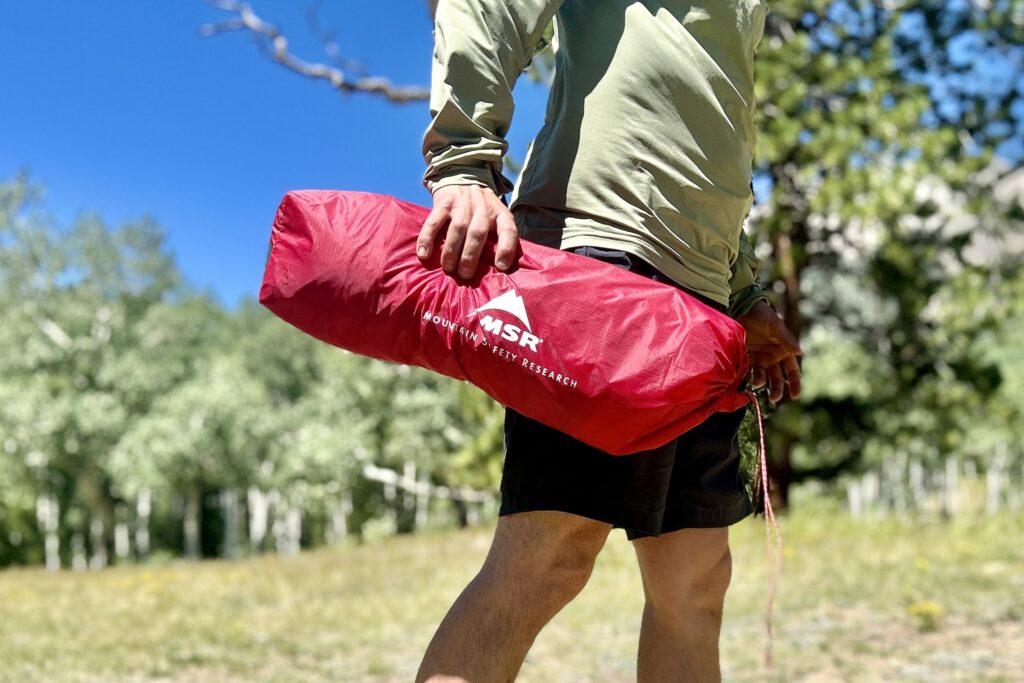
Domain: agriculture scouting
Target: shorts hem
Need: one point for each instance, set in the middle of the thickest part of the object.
(636, 524)
(620, 517)
(710, 518)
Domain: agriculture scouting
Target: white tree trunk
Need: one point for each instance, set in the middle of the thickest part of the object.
(391, 498)
(190, 523)
(869, 489)
(78, 561)
(970, 474)
(951, 486)
(122, 542)
(994, 478)
(970, 469)
(288, 530)
(229, 513)
(337, 518)
(294, 525)
(1013, 497)
(48, 518)
(408, 498)
(278, 510)
(98, 541)
(143, 508)
(259, 508)
(122, 537)
(853, 498)
(895, 474)
(918, 492)
(423, 503)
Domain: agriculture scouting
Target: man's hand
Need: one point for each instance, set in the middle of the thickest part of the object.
(470, 213)
(773, 352)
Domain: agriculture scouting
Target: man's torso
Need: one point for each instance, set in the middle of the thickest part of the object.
(648, 139)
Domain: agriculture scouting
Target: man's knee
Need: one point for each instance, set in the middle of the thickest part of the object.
(686, 574)
(567, 572)
(545, 556)
(707, 589)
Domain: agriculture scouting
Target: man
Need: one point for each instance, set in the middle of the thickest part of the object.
(644, 161)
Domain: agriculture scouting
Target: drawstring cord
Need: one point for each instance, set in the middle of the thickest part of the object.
(771, 529)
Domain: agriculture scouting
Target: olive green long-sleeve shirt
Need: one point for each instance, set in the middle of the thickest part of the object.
(648, 138)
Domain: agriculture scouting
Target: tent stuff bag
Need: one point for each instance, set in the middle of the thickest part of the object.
(610, 357)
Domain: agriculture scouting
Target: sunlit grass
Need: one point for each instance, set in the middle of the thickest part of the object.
(861, 600)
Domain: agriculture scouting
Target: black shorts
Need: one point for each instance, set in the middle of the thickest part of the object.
(691, 482)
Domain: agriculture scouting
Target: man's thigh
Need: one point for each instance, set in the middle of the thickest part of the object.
(548, 470)
(693, 482)
(529, 542)
(706, 489)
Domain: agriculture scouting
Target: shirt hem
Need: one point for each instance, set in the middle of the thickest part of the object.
(673, 270)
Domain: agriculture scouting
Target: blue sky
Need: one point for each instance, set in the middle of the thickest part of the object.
(120, 107)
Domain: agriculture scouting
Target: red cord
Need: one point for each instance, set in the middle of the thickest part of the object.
(774, 550)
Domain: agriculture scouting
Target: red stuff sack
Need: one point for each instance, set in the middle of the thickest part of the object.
(618, 361)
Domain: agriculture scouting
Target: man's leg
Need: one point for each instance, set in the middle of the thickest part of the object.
(537, 563)
(685, 575)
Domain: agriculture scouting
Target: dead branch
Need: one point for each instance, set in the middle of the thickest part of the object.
(330, 42)
(345, 76)
(420, 488)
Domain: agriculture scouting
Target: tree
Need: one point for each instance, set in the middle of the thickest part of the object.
(208, 435)
(875, 196)
(71, 301)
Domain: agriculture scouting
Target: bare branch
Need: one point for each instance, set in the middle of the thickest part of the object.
(210, 30)
(55, 333)
(275, 45)
(387, 476)
(328, 40)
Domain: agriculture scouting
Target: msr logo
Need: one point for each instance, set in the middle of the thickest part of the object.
(511, 303)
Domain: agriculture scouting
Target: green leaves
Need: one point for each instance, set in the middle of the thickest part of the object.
(118, 380)
(880, 206)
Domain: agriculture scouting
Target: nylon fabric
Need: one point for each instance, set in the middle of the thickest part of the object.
(612, 358)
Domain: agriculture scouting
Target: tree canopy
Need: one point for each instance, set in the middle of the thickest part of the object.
(138, 415)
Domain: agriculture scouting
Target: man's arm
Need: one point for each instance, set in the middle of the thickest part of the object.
(481, 47)
(773, 350)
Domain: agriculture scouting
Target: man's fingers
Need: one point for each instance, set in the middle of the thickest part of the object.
(476, 237)
(508, 239)
(757, 377)
(776, 383)
(765, 355)
(467, 216)
(457, 226)
(793, 375)
(437, 219)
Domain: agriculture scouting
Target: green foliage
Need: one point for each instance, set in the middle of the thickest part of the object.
(881, 234)
(71, 301)
(127, 386)
(927, 615)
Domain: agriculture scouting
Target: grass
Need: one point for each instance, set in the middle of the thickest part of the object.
(861, 600)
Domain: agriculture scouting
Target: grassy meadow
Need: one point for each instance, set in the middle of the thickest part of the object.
(872, 600)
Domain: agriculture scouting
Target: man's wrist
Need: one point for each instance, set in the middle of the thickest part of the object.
(742, 301)
(467, 175)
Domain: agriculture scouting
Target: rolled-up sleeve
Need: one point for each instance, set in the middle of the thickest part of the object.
(480, 48)
(745, 287)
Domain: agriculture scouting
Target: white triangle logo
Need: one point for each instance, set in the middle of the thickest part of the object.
(510, 302)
